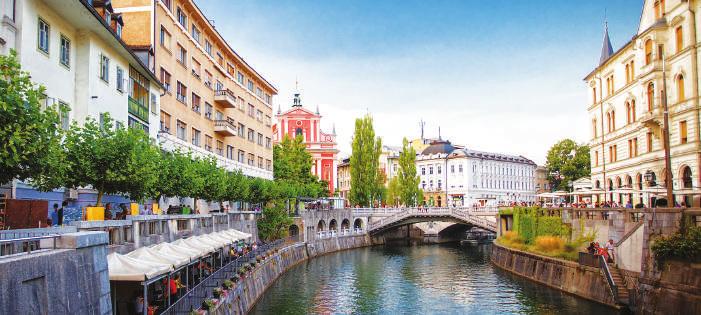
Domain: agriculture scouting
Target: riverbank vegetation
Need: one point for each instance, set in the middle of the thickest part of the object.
(533, 230)
(684, 246)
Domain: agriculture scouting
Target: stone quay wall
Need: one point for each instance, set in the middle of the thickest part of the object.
(247, 292)
(583, 281)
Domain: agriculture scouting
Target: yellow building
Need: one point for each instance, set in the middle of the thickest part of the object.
(626, 110)
(216, 104)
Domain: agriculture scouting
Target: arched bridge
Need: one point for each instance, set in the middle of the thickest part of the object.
(416, 215)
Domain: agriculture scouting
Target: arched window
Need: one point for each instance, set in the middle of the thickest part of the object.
(632, 111)
(627, 73)
(680, 88)
(650, 96)
(613, 120)
(593, 94)
(648, 51)
(593, 127)
(597, 184)
(659, 9)
(608, 121)
(686, 178)
(628, 117)
(298, 132)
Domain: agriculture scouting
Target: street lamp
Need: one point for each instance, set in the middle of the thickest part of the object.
(650, 178)
(570, 184)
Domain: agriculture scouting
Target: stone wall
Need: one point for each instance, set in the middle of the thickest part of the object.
(253, 286)
(583, 281)
(672, 288)
(72, 279)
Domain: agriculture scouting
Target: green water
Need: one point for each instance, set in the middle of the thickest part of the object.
(428, 279)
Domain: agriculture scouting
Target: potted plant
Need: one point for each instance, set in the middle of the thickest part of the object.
(217, 292)
(235, 278)
(228, 284)
(208, 304)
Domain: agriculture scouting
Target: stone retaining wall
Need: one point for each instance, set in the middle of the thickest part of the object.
(583, 281)
(253, 286)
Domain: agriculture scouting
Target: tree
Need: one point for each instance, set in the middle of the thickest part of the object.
(393, 196)
(567, 161)
(177, 175)
(292, 161)
(364, 162)
(409, 192)
(237, 187)
(214, 180)
(274, 223)
(29, 135)
(111, 160)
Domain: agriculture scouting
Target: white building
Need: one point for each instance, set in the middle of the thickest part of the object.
(455, 176)
(74, 49)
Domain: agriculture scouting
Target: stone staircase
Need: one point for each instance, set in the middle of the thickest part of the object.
(623, 294)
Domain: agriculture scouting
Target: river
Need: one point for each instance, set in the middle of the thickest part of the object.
(426, 279)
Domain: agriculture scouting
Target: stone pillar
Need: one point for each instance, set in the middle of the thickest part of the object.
(136, 232)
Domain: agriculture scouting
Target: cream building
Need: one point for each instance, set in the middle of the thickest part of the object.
(626, 112)
(216, 104)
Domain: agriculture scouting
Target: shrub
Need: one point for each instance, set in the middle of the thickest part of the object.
(549, 244)
(228, 284)
(682, 246)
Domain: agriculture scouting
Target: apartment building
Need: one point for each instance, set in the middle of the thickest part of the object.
(75, 50)
(215, 103)
(626, 110)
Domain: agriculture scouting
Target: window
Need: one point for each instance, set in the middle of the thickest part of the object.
(207, 110)
(196, 103)
(251, 135)
(609, 85)
(104, 68)
(423, 170)
(219, 86)
(182, 130)
(241, 103)
(596, 158)
(250, 85)
(165, 122)
(219, 115)
(120, 79)
(430, 170)
(165, 79)
(679, 36)
(65, 51)
(196, 137)
(259, 115)
(208, 47)
(208, 143)
(167, 4)
(182, 18)
(680, 88)
(611, 120)
(241, 130)
(220, 59)
(196, 68)
(268, 142)
(260, 139)
(649, 141)
(182, 55)
(660, 51)
(65, 119)
(220, 148)
(181, 92)
(260, 162)
(613, 154)
(259, 92)
(650, 96)
(251, 110)
(648, 51)
(269, 165)
(593, 95)
(268, 98)
(43, 36)
(439, 169)
(593, 128)
(460, 168)
(230, 69)
(239, 77)
(682, 132)
(138, 95)
(242, 156)
(251, 159)
(195, 33)
(165, 38)
(229, 152)
(632, 147)
(659, 9)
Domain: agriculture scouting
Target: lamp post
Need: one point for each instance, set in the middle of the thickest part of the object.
(667, 158)
(650, 180)
(570, 184)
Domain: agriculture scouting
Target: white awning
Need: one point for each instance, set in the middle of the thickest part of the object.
(192, 243)
(125, 268)
(149, 254)
(178, 251)
(239, 234)
(215, 242)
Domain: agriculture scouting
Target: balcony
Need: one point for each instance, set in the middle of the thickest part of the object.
(225, 127)
(653, 119)
(138, 110)
(225, 98)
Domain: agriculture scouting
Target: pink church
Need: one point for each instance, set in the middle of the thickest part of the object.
(322, 146)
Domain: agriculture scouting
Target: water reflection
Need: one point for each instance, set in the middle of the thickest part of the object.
(431, 279)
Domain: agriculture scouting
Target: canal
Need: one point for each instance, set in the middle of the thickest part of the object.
(428, 279)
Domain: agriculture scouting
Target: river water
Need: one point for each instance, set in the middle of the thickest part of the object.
(426, 279)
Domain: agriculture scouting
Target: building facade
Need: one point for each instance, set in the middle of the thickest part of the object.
(389, 162)
(75, 49)
(299, 121)
(344, 178)
(215, 103)
(542, 184)
(626, 110)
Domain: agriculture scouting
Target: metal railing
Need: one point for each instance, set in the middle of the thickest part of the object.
(203, 290)
(609, 279)
(465, 215)
(483, 211)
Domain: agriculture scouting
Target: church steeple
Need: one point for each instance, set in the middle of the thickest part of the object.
(297, 101)
(606, 49)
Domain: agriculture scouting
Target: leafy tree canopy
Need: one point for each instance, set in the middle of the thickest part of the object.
(567, 161)
(366, 187)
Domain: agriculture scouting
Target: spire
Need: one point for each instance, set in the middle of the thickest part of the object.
(278, 109)
(297, 101)
(606, 49)
(439, 133)
(317, 109)
(333, 131)
(422, 123)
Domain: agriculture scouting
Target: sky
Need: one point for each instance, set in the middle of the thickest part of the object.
(502, 76)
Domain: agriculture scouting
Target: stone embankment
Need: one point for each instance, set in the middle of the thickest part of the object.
(253, 286)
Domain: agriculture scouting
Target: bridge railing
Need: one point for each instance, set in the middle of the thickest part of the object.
(465, 214)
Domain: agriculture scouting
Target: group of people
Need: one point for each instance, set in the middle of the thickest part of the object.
(607, 251)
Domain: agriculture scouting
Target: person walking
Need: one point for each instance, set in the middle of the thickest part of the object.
(610, 248)
(60, 212)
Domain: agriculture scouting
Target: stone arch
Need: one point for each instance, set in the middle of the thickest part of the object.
(358, 224)
(686, 175)
(333, 225)
(293, 230)
(321, 226)
(345, 224)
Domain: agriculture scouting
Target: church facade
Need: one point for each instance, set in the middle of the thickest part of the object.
(300, 121)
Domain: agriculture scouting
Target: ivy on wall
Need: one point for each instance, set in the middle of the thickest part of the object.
(531, 222)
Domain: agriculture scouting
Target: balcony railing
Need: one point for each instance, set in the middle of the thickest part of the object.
(137, 109)
(225, 98)
(225, 127)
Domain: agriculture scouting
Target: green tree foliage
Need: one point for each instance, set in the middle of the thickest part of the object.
(177, 175)
(214, 180)
(238, 187)
(29, 136)
(409, 191)
(364, 161)
(568, 159)
(274, 223)
(292, 161)
(684, 245)
(531, 222)
(111, 160)
(393, 196)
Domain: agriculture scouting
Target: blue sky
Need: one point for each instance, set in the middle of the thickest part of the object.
(502, 76)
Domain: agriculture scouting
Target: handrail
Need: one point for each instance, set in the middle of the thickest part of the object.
(454, 212)
(23, 240)
(609, 279)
